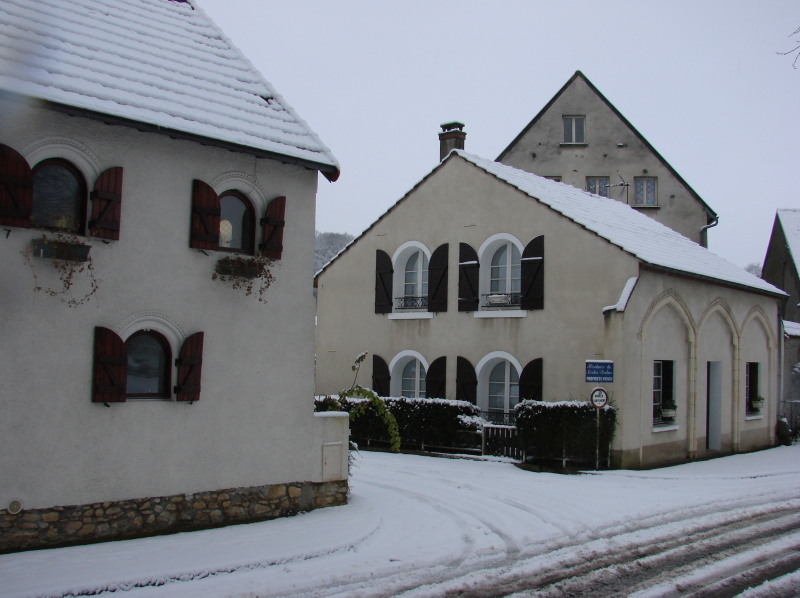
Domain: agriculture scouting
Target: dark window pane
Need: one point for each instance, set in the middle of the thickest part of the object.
(146, 365)
(57, 198)
(579, 138)
(567, 130)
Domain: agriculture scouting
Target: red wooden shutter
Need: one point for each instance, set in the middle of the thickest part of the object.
(384, 273)
(435, 379)
(466, 381)
(530, 381)
(16, 189)
(204, 232)
(272, 225)
(190, 365)
(468, 270)
(107, 205)
(437, 280)
(381, 378)
(533, 275)
(110, 377)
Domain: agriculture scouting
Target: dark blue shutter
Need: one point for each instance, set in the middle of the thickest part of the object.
(468, 270)
(530, 381)
(383, 282)
(533, 274)
(437, 279)
(435, 379)
(466, 381)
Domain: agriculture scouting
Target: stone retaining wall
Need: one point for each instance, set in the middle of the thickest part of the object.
(78, 524)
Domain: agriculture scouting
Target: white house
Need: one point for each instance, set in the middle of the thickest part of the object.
(491, 284)
(140, 395)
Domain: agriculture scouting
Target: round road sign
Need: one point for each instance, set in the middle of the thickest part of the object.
(599, 397)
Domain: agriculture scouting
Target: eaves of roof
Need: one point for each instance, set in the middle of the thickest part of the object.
(711, 213)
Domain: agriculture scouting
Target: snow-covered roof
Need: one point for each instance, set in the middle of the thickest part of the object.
(791, 328)
(790, 223)
(159, 62)
(624, 226)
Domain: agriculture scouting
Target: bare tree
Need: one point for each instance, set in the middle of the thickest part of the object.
(327, 246)
(795, 50)
(754, 268)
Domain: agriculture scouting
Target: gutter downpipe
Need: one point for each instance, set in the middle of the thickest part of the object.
(703, 230)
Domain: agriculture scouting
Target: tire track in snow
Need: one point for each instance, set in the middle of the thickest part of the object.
(616, 566)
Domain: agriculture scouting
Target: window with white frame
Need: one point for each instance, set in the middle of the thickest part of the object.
(597, 185)
(664, 405)
(574, 129)
(413, 380)
(645, 191)
(752, 393)
(415, 282)
(505, 277)
(503, 387)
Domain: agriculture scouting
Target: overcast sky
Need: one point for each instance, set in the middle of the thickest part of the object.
(700, 80)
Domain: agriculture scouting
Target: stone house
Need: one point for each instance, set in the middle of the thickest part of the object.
(140, 154)
(781, 269)
(490, 284)
(581, 139)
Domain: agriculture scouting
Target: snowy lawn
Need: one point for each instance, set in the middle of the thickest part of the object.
(420, 526)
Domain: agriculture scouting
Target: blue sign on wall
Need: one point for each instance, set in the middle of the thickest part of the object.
(599, 371)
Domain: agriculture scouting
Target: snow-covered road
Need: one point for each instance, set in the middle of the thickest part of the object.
(423, 527)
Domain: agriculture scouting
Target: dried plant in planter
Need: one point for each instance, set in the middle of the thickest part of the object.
(70, 258)
(244, 272)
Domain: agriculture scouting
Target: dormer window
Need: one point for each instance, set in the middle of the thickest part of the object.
(574, 129)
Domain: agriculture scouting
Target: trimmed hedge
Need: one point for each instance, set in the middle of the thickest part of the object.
(421, 422)
(564, 432)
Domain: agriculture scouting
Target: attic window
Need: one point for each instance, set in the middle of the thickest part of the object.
(574, 129)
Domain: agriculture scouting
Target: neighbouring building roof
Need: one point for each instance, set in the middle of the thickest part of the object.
(648, 240)
(159, 62)
(579, 75)
(791, 328)
(790, 223)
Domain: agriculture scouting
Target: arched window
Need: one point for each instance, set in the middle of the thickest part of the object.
(236, 223)
(503, 387)
(415, 285)
(149, 365)
(413, 380)
(59, 197)
(505, 275)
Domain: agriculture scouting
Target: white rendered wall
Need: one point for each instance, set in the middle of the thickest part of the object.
(253, 424)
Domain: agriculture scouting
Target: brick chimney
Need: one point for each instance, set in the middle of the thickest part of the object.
(452, 137)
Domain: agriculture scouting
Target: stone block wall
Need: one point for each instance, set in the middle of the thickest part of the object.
(79, 524)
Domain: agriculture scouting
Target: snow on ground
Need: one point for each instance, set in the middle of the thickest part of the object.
(422, 526)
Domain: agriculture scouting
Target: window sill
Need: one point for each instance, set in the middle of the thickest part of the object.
(667, 428)
(753, 416)
(573, 144)
(500, 313)
(645, 206)
(411, 315)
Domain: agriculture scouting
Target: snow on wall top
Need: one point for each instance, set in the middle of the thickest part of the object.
(648, 240)
(160, 62)
(790, 223)
(791, 328)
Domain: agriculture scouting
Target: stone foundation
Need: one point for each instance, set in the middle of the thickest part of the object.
(79, 524)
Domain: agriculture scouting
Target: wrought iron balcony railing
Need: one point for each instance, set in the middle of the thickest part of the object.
(499, 417)
(502, 299)
(412, 302)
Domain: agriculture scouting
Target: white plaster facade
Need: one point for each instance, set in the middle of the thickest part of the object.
(669, 315)
(254, 423)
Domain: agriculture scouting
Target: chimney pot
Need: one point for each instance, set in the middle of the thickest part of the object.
(452, 137)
